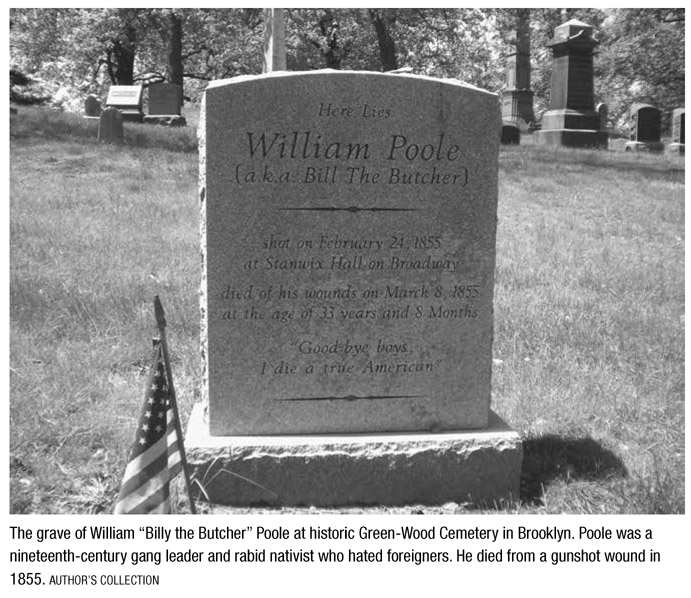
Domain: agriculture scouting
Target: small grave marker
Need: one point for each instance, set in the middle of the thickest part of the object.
(92, 107)
(678, 131)
(128, 100)
(110, 126)
(644, 122)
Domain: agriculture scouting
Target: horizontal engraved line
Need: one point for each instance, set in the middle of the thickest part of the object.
(351, 209)
(354, 398)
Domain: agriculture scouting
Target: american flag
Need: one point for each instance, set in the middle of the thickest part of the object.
(154, 458)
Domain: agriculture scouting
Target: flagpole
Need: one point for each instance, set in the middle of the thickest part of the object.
(161, 322)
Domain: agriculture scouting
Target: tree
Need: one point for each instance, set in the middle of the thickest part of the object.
(643, 59)
(640, 56)
(383, 20)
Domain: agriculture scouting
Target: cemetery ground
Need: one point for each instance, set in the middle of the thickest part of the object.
(589, 316)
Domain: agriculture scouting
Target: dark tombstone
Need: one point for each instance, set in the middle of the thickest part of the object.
(110, 128)
(164, 105)
(644, 132)
(128, 100)
(603, 112)
(92, 107)
(510, 134)
(164, 98)
(571, 119)
(678, 126)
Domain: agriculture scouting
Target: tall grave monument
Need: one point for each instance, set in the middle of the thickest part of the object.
(571, 119)
(517, 101)
(348, 238)
(274, 40)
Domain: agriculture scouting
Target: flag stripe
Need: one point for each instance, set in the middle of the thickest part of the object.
(146, 498)
(139, 477)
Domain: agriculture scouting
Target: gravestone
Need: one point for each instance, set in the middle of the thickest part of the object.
(110, 126)
(678, 128)
(164, 98)
(603, 112)
(92, 107)
(510, 134)
(644, 126)
(571, 119)
(348, 241)
(164, 105)
(517, 100)
(128, 100)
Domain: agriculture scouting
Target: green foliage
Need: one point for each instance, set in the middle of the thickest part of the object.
(80, 51)
(23, 90)
(643, 60)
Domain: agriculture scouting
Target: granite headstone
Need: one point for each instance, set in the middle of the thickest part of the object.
(603, 112)
(92, 107)
(510, 134)
(164, 99)
(128, 100)
(678, 144)
(349, 223)
(110, 128)
(644, 124)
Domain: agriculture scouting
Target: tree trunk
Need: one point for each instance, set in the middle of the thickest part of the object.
(121, 57)
(122, 64)
(382, 19)
(330, 50)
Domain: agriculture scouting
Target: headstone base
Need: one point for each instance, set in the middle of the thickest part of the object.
(131, 116)
(172, 120)
(572, 138)
(585, 120)
(676, 148)
(640, 146)
(478, 466)
(517, 107)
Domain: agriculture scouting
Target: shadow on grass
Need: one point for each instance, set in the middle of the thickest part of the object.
(550, 458)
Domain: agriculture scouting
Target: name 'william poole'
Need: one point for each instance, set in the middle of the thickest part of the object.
(305, 145)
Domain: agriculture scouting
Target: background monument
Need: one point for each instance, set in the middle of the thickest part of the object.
(645, 124)
(571, 119)
(110, 129)
(274, 40)
(128, 100)
(348, 237)
(678, 144)
(517, 100)
(164, 105)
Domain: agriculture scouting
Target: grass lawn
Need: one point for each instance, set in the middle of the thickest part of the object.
(589, 315)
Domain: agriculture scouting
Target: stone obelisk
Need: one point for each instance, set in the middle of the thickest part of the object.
(274, 40)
